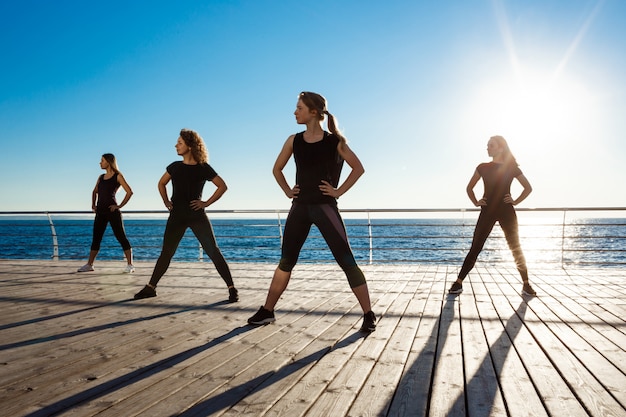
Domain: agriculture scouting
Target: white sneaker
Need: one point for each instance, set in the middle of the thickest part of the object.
(129, 269)
(85, 268)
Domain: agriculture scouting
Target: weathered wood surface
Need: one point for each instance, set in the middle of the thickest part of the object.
(76, 344)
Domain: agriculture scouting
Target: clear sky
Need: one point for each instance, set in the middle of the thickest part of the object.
(418, 87)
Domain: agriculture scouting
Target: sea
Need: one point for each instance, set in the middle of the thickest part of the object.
(581, 242)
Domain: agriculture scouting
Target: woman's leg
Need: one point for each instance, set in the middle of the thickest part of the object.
(203, 231)
(99, 226)
(174, 232)
(483, 228)
(331, 226)
(117, 224)
(508, 222)
(297, 229)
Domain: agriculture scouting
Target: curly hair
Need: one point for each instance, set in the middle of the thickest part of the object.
(195, 142)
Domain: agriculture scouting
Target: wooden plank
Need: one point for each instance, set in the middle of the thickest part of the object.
(448, 384)
(482, 389)
(500, 321)
(412, 395)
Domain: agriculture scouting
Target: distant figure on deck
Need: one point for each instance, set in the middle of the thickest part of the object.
(496, 205)
(187, 210)
(319, 157)
(104, 204)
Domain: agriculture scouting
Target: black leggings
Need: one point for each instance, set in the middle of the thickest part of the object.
(175, 229)
(328, 220)
(505, 215)
(100, 224)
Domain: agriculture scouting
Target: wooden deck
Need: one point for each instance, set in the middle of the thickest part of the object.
(78, 345)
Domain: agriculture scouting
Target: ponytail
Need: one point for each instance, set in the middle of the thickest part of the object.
(332, 126)
(318, 103)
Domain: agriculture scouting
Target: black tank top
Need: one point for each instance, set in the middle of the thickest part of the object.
(106, 192)
(316, 162)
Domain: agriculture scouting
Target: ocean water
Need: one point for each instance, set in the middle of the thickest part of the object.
(596, 242)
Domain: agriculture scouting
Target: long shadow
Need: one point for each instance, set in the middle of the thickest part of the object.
(133, 377)
(235, 394)
(415, 388)
(492, 362)
(106, 326)
(58, 315)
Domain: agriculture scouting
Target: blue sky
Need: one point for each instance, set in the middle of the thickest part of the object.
(418, 88)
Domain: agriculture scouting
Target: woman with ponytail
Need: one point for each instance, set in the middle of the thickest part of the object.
(104, 204)
(319, 157)
(496, 205)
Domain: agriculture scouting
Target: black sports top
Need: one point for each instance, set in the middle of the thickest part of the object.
(106, 192)
(316, 162)
(497, 179)
(188, 182)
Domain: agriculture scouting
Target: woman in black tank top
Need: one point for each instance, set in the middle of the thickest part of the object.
(319, 157)
(104, 204)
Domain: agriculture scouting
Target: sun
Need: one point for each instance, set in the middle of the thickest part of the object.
(533, 108)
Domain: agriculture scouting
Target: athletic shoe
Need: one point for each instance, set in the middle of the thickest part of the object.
(146, 292)
(233, 295)
(129, 269)
(528, 290)
(262, 316)
(85, 268)
(369, 322)
(456, 288)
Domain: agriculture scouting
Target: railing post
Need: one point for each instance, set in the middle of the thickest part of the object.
(369, 233)
(563, 239)
(280, 229)
(55, 242)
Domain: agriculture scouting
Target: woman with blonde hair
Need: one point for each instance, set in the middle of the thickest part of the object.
(496, 205)
(187, 210)
(104, 204)
(319, 157)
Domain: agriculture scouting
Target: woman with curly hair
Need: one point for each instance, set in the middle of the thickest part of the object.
(104, 204)
(319, 157)
(187, 210)
(496, 205)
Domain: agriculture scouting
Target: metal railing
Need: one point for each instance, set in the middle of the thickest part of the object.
(583, 236)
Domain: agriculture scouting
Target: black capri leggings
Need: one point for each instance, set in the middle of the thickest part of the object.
(505, 215)
(100, 225)
(177, 224)
(328, 220)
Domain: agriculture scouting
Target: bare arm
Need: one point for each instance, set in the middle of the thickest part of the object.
(527, 189)
(279, 165)
(470, 190)
(165, 179)
(357, 170)
(217, 194)
(94, 195)
(129, 193)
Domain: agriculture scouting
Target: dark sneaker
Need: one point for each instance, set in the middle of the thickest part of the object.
(262, 316)
(369, 322)
(528, 290)
(456, 288)
(146, 292)
(233, 295)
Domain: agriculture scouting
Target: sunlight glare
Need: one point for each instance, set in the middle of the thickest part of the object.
(535, 110)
